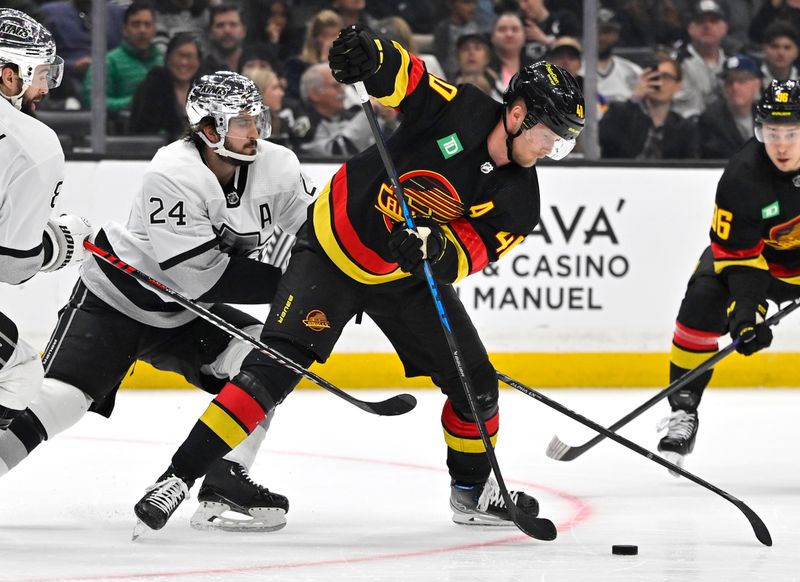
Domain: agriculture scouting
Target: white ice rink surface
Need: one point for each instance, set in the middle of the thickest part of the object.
(369, 496)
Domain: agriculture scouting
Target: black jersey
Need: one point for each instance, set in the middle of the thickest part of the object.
(757, 216)
(441, 156)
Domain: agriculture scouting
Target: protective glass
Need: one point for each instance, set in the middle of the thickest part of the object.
(779, 133)
(241, 124)
(541, 136)
(48, 74)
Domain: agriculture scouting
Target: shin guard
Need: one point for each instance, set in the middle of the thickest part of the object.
(466, 454)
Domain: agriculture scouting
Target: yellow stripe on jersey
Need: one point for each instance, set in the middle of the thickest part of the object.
(400, 81)
(688, 360)
(757, 263)
(793, 280)
(323, 228)
(223, 425)
(463, 263)
(463, 445)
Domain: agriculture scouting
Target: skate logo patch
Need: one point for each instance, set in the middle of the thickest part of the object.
(450, 146)
(486, 167)
(772, 210)
(316, 320)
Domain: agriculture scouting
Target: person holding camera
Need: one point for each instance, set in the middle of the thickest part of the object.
(646, 126)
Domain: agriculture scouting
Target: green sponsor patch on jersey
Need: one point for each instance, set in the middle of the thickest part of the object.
(771, 210)
(450, 146)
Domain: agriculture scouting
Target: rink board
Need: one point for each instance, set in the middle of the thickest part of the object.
(588, 299)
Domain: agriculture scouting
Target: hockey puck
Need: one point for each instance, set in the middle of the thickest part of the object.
(622, 550)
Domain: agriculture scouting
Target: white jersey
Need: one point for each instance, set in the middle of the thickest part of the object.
(184, 228)
(31, 173)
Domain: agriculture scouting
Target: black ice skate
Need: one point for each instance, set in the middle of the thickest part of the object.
(228, 489)
(160, 502)
(681, 433)
(484, 504)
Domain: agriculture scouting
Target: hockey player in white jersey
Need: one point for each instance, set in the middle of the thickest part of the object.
(209, 205)
(31, 173)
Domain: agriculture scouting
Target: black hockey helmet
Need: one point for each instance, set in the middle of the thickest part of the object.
(780, 103)
(552, 96)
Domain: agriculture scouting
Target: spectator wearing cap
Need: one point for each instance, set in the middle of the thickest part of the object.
(616, 76)
(647, 22)
(772, 11)
(728, 122)
(646, 127)
(702, 58)
(461, 21)
(781, 46)
(474, 53)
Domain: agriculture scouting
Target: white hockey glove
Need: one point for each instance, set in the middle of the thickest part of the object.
(65, 235)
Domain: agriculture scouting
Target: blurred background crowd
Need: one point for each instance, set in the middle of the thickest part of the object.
(676, 79)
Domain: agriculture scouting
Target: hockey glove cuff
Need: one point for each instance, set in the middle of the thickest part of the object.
(63, 241)
(356, 55)
(407, 247)
(746, 323)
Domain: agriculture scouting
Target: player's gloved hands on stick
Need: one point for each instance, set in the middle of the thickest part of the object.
(63, 241)
(355, 55)
(408, 248)
(746, 322)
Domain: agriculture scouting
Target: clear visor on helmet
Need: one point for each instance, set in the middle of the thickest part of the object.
(49, 74)
(778, 133)
(241, 125)
(543, 138)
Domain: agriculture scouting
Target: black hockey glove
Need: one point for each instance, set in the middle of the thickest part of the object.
(356, 55)
(746, 322)
(407, 248)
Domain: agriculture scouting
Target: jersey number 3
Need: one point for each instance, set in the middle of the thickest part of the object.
(176, 213)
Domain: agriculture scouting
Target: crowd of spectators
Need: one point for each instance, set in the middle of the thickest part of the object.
(676, 78)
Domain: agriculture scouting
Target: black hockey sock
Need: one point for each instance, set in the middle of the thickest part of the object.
(17, 442)
(227, 421)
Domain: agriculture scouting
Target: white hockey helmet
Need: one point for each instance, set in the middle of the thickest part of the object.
(224, 96)
(30, 46)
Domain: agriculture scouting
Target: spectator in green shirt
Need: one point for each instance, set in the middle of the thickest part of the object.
(128, 64)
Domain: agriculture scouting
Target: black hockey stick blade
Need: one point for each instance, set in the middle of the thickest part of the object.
(396, 405)
(560, 451)
(539, 528)
(759, 528)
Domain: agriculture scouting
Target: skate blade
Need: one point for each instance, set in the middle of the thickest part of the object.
(210, 516)
(139, 530)
(480, 520)
(675, 459)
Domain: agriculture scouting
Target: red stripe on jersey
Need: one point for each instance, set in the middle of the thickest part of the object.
(415, 74)
(461, 428)
(722, 253)
(366, 258)
(472, 242)
(241, 405)
(784, 272)
(695, 339)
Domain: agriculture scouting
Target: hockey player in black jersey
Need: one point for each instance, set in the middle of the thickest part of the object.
(209, 206)
(467, 164)
(754, 256)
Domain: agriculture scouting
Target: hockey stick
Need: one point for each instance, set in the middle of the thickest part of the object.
(399, 404)
(761, 531)
(539, 528)
(561, 451)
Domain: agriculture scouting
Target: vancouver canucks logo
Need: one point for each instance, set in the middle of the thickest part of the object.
(427, 194)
